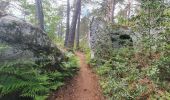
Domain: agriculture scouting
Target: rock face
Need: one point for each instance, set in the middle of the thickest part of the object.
(25, 41)
(99, 38)
(103, 38)
(121, 36)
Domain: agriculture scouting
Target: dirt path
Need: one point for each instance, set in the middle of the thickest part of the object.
(83, 86)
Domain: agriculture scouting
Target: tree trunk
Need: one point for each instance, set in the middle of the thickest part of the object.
(68, 24)
(61, 30)
(78, 30)
(73, 25)
(39, 14)
(113, 10)
(129, 9)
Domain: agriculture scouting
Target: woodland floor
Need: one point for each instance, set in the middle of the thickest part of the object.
(84, 86)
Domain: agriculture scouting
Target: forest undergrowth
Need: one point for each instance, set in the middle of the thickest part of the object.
(130, 75)
(24, 79)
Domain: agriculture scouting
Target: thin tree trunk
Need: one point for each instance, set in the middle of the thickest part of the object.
(129, 11)
(78, 30)
(39, 13)
(73, 25)
(129, 8)
(58, 31)
(113, 10)
(68, 24)
(61, 30)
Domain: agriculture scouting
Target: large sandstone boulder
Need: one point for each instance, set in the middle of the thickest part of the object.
(104, 37)
(121, 36)
(25, 41)
(99, 38)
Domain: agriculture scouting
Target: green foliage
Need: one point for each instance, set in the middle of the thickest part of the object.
(3, 47)
(71, 64)
(120, 77)
(28, 11)
(59, 42)
(84, 47)
(23, 78)
(122, 21)
(52, 15)
(164, 96)
(29, 80)
(141, 73)
(51, 18)
(124, 77)
(164, 64)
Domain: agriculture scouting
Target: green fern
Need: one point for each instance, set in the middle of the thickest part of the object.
(28, 79)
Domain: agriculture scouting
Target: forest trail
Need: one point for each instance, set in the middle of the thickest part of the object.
(84, 86)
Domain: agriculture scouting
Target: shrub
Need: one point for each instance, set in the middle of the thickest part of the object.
(127, 76)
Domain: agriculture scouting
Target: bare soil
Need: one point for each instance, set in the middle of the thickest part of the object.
(84, 86)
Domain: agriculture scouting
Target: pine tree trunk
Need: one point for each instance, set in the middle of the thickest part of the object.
(68, 24)
(39, 14)
(73, 25)
(78, 31)
(113, 10)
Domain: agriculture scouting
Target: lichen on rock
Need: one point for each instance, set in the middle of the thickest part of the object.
(105, 37)
(26, 41)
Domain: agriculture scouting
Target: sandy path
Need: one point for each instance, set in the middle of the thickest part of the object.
(83, 86)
